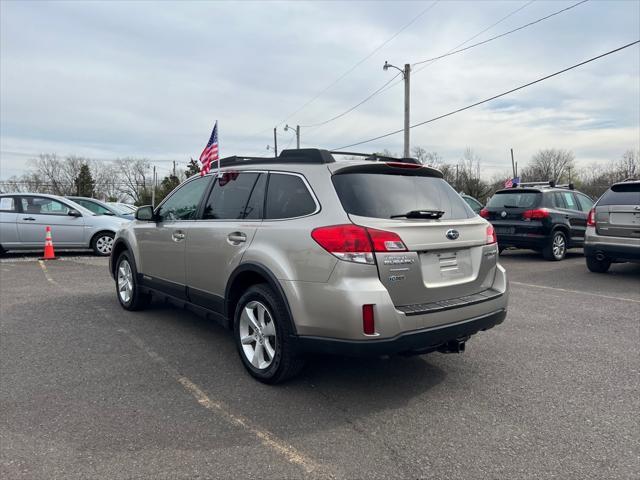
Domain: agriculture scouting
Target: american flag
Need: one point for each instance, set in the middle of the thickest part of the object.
(511, 182)
(210, 152)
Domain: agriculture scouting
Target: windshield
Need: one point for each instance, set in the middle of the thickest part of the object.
(383, 195)
(524, 199)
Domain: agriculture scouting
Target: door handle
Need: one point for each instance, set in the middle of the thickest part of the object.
(178, 236)
(30, 219)
(236, 238)
(566, 216)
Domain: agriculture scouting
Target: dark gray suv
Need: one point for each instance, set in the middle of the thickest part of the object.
(303, 253)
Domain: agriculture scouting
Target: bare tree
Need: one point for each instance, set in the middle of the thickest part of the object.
(468, 178)
(549, 164)
(136, 178)
(108, 180)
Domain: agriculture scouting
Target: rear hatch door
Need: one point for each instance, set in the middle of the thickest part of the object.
(618, 211)
(446, 257)
(504, 210)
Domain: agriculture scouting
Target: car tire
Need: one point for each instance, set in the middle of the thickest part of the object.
(102, 243)
(127, 288)
(2, 251)
(556, 249)
(262, 332)
(598, 266)
(501, 249)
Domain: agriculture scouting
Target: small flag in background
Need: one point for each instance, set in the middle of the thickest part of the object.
(511, 182)
(210, 152)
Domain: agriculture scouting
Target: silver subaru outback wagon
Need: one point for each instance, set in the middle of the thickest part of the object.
(304, 254)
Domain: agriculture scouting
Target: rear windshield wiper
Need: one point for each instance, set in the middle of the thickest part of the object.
(434, 214)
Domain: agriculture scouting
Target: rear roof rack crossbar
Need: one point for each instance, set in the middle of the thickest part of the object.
(375, 157)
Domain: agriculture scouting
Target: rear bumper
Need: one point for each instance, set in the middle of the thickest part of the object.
(523, 240)
(421, 341)
(613, 252)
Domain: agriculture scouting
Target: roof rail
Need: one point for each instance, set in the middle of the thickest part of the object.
(303, 155)
(375, 157)
(550, 184)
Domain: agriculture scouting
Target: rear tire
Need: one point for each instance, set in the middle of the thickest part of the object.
(556, 249)
(263, 335)
(127, 288)
(598, 266)
(102, 243)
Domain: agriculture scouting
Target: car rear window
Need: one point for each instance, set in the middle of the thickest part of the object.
(288, 197)
(525, 199)
(384, 195)
(622, 194)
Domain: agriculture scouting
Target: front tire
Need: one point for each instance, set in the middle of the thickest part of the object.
(127, 288)
(556, 249)
(262, 332)
(102, 243)
(598, 266)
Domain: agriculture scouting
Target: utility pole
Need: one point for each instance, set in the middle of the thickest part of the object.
(287, 127)
(275, 141)
(513, 165)
(153, 188)
(406, 75)
(174, 168)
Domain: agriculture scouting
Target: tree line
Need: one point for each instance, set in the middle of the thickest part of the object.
(131, 179)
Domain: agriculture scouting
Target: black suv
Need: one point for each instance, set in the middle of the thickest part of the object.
(540, 216)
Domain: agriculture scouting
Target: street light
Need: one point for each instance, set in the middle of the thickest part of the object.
(297, 131)
(406, 74)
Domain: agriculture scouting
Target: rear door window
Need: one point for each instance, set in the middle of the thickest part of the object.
(570, 201)
(288, 197)
(585, 202)
(521, 199)
(236, 196)
(622, 194)
(385, 195)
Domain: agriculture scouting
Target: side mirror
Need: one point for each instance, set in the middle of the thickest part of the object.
(74, 213)
(145, 213)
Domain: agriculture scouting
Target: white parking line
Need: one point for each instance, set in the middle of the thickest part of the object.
(46, 273)
(576, 291)
(267, 438)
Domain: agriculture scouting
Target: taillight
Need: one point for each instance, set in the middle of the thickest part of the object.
(537, 214)
(484, 213)
(386, 241)
(491, 235)
(353, 243)
(591, 218)
(368, 320)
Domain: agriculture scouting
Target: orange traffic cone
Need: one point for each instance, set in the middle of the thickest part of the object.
(48, 246)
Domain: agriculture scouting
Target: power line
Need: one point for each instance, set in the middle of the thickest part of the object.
(386, 85)
(36, 155)
(313, 125)
(493, 97)
(360, 62)
(453, 52)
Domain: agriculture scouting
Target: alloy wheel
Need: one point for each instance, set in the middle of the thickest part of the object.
(125, 281)
(258, 335)
(559, 246)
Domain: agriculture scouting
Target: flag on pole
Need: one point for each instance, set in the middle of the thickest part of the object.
(210, 152)
(511, 182)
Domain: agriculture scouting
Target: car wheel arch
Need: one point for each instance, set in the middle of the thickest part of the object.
(243, 277)
(119, 246)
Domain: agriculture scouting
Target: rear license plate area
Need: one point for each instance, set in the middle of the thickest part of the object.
(505, 230)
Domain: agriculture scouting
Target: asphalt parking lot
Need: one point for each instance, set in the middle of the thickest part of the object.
(89, 390)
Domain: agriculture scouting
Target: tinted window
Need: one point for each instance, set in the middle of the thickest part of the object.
(558, 200)
(7, 204)
(570, 201)
(381, 196)
(183, 203)
(518, 199)
(43, 206)
(94, 207)
(236, 196)
(585, 202)
(475, 206)
(288, 197)
(622, 194)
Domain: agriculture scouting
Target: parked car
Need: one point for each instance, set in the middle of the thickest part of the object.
(301, 254)
(24, 216)
(613, 227)
(101, 208)
(540, 216)
(474, 203)
(124, 207)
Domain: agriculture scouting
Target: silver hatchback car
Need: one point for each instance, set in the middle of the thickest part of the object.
(305, 254)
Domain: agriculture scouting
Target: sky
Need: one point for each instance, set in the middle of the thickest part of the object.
(109, 80)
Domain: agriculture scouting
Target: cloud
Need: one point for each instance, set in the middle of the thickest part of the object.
(111, 79)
